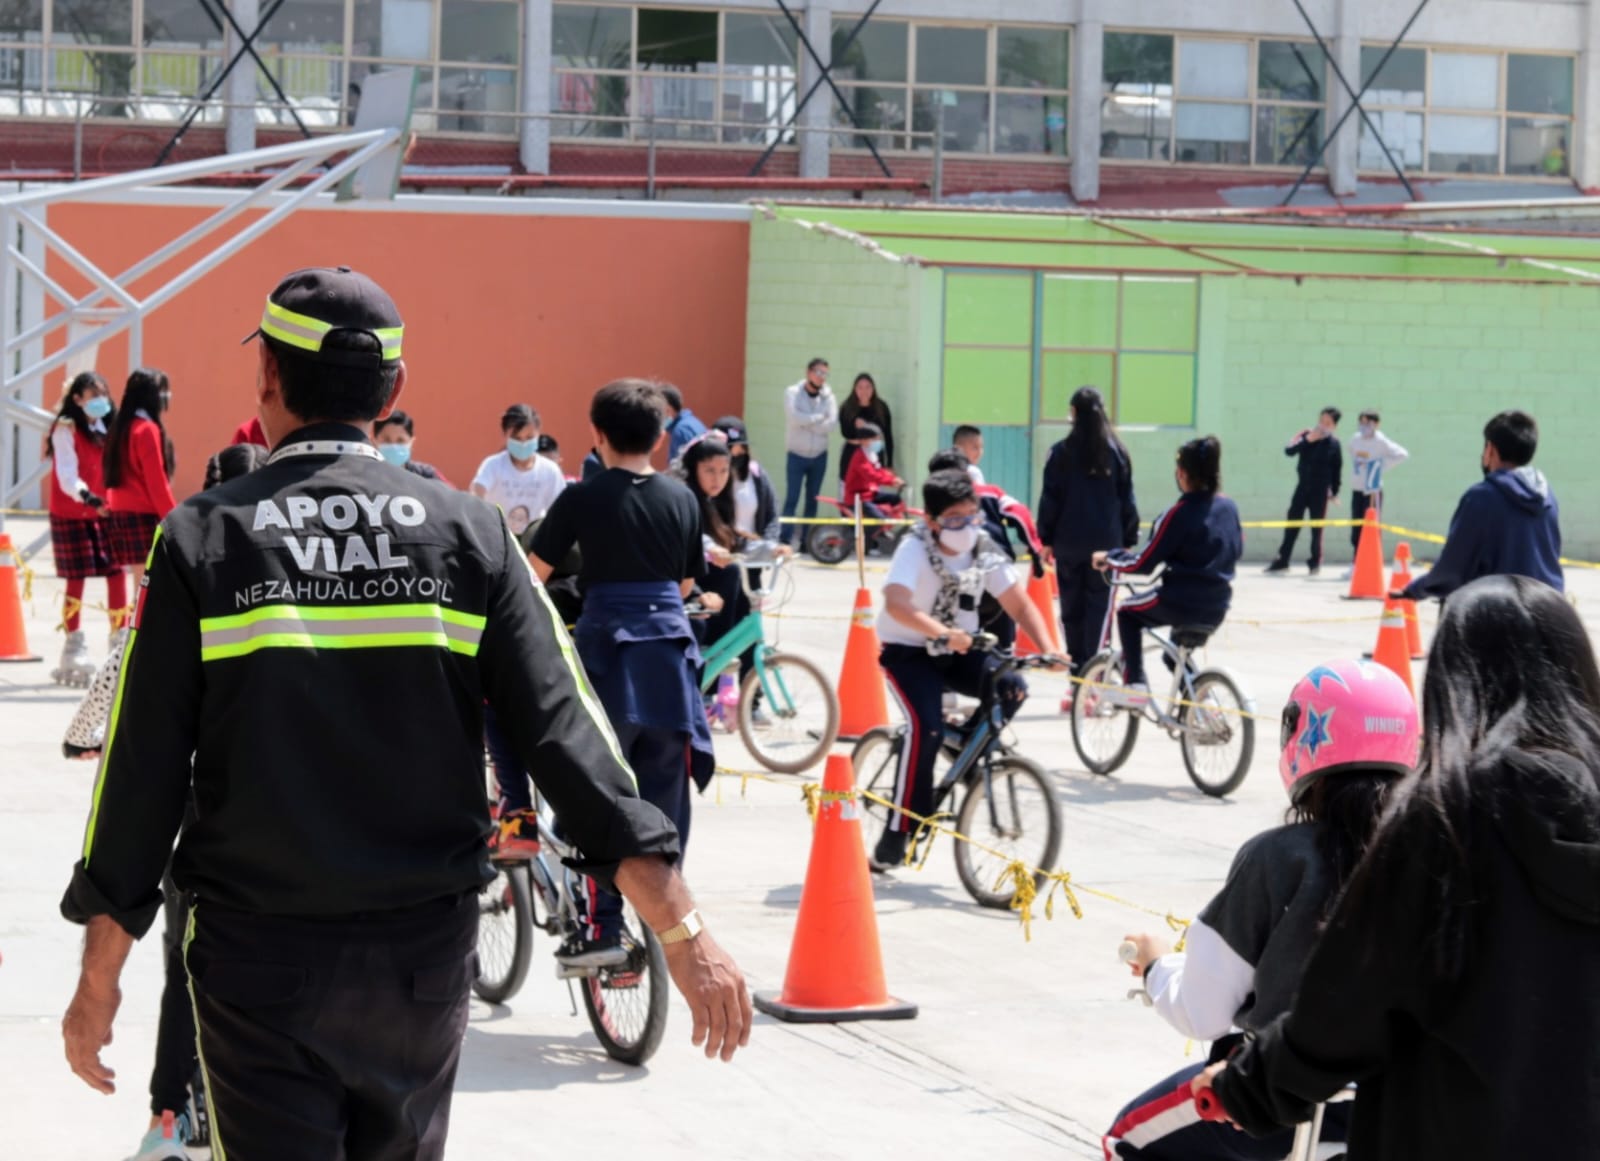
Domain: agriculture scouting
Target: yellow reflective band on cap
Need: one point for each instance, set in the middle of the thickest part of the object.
(307, 333)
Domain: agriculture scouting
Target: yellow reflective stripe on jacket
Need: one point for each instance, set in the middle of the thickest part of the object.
(331, 627)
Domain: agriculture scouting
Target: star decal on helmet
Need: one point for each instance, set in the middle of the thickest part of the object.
(1325, 673)
(1316, 733)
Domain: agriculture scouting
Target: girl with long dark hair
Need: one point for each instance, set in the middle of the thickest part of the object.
(79, 540)
(139, 465)
(864, 404)
(1247, 948)
(1455, 979)
(1086, 505)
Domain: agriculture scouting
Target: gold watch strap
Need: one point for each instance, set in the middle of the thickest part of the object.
(686, 929)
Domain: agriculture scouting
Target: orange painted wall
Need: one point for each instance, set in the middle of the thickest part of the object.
(499, 309)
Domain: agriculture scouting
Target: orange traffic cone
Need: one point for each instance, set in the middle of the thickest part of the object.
(1400, 579)
(1366, 579)
(13, 640)
(863, 705)
(835, 965)
(1039, 595)
(1392, 651)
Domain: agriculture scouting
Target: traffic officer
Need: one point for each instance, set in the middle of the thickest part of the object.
(312, 648)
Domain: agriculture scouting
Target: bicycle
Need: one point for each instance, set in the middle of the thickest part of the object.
(1009, 803)
(832, 543)
(626, 1004)
(801, 707)
(1206, 712)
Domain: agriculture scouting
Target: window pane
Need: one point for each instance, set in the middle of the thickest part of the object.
(107, 75)
(675, 106)
(93, 22)
(966, 119)
(1213, 134)
(1079, 311)
(1287, 134)
(599, 102)
(952, 56)
(767, 41)
(175, 74)
(21, 71)
(593, 38)
(1159, 314)
(678, 42)
(168, 23)
(877, 54)
(304, 26)
(1402, 80)
(1137, 126)
(1463, 144)
(1061, 373)
(1465, 81)
(1214, 68)
(1288, 70)
(1031, 58)
(314, 82)
(1026, 123)
(986, 387)
(1134, 60)
(470, 98)
(1155, 390)
(480, 30)
(397, 29)
(21, 20)
(1537, 145)
(988, 309)
(1539, 84)
(874, 108)
(1402, 132)
(754, 108)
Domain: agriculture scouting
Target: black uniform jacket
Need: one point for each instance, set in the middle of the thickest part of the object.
(311, 652)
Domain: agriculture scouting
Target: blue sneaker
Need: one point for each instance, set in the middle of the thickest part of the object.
(165, 1141)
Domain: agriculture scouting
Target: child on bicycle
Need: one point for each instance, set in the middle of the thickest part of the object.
(928, 624)
(1350, 731)
(866, 479)
(1200, 541)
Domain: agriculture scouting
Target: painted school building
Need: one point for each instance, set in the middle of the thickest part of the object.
(1240, 329)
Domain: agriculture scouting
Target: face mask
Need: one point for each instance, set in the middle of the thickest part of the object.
(875, 448)
(398, 454)
(741, 465)
(522, 449)
(1368, 430)
(97, 408)
(959, 540)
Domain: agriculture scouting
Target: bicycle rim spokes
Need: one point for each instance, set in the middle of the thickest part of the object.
(799, 708)
(505, 934)
(876, 759)
(1103, 732)
(627, 1005)
(1218, 740)
(1011, 816)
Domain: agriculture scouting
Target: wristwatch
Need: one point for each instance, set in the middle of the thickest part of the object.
(688, 927)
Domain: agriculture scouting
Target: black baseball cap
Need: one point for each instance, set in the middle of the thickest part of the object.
(309, 305)
(732, 429)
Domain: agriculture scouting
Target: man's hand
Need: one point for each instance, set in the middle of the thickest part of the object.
(783, 552)
(1150, 948)
(1058, 663)
(1333, 499)
(960, 642)
(1098, 562)
(1048, 555)
(719, 556)
(715, 989)
(86, 1029)
(711, 602)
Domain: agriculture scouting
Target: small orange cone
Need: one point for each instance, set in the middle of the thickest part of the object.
(1366, 579)
(1402, 578)
(1392, 651)
(13, 640)
(1040, 589)
(863, 704)
(835, 965)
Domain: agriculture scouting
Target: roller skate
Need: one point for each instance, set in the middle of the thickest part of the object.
(75, 669)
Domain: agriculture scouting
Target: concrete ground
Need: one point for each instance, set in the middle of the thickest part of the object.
(1020, 1050)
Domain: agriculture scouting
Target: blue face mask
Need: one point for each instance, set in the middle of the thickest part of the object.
(398, 454)
(522, 449)
(875, 448)
(98, 408)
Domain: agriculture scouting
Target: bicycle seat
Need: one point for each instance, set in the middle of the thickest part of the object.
(1192, 636)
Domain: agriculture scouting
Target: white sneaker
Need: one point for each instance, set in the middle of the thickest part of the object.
(165, 1141)
(1348, 573)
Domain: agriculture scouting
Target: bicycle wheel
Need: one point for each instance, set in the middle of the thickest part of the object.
(627, 1004)
(505, 933)
(830, 543)
(1017, 814)
(876, 760)
(1103, 732)
(1218, 740)
(802, 714)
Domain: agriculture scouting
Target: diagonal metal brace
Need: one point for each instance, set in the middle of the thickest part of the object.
(1355, 102)
(825, 77)
(248, 42)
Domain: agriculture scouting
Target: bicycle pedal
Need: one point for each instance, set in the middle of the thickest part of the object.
(568, 972)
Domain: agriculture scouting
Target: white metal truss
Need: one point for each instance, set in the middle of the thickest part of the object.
(110, 306)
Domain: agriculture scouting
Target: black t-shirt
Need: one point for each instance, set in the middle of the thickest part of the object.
(628, 528)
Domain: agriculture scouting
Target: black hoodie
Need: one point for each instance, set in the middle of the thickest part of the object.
(1500, 1063)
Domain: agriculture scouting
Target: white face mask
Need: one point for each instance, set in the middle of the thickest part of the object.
(959, 540)
(1369, 430)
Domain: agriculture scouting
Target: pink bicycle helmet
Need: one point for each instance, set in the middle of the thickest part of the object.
(1346, 715)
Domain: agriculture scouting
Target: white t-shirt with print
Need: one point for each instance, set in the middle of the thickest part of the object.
(523, 496)
(745, 502)
(910, 569)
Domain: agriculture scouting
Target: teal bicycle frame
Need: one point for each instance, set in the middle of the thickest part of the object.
(750, 631)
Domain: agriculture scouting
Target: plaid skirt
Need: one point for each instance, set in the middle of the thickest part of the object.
(132, 534)
(82, 548)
